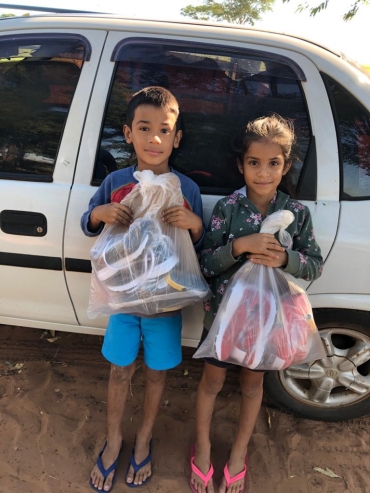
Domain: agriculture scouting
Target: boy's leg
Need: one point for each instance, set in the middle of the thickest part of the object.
(209, 386)
(162, 351)
(252, 391)
(120, 347)
(119, 381)
(155, 381)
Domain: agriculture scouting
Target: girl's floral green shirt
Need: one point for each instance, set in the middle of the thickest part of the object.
(235, 216)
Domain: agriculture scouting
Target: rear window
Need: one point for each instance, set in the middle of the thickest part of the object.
(219, 91)
(352, 121)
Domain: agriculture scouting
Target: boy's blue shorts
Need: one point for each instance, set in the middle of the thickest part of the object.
(161, 340)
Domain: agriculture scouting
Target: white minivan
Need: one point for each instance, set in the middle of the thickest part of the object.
(65, 81)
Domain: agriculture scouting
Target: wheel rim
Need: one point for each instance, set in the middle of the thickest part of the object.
(341, 379)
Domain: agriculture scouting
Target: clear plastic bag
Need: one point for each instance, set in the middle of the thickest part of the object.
(149, 267)
(265, 319)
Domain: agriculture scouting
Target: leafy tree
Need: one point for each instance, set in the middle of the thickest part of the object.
(3, 16)
(233, 11)
(315, 10)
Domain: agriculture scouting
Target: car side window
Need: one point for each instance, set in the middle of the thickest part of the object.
(352, 121)
(218, 93)
(38, 77)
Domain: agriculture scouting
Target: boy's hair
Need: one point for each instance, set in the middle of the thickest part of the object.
(156, 96)
(274, 128)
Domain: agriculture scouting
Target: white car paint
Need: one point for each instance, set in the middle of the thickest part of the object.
(57, 300)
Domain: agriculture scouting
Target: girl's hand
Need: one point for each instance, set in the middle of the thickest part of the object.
(260, 243)
(280, 261)
(113, 213)
(183, 218)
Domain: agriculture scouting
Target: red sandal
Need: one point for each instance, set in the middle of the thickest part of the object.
(205, 478)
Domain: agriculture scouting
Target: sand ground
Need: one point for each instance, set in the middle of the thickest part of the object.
(53, 419)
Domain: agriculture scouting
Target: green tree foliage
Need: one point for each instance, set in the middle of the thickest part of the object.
(233, 11)
(356, 4)
(3, 16)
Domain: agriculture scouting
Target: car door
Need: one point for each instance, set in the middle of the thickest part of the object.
(345, 282)
(220, 85)
(46, 78)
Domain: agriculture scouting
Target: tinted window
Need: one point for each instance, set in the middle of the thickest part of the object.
(353, 133)
(218, 93)
(37, 82)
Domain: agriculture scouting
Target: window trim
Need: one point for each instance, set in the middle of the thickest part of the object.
(307, 183)
(96, 182)
(51, 36)
(300, 75)
(5, 175)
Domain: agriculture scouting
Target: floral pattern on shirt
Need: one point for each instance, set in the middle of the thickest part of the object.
(217, 222)
(234, 217)
(231, 199)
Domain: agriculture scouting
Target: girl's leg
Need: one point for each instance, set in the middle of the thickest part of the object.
(209, 386)
(252, 391)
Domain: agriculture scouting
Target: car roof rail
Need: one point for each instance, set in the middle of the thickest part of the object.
(53, 10)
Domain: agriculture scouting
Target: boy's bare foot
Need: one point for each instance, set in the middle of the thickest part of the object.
(202, 460)
(235, 467)
(109, 456)
(141, 452)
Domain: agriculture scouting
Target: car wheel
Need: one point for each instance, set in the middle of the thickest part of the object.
(337, 387)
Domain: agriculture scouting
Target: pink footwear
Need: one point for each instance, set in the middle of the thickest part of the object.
(205, 478)
(235, 478)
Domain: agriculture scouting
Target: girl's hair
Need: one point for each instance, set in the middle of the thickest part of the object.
(272, 128)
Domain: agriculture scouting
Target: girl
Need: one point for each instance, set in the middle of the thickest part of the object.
(233, 238)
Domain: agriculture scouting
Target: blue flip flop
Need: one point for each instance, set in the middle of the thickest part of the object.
(105, 472)
(136, 467)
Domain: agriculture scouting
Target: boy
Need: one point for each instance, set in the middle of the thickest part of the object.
(153, 127)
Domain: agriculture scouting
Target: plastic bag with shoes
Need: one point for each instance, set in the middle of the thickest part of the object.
(149, 267)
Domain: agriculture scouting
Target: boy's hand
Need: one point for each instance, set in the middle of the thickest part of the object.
(259, 243)
(181, 217)
(280, 261)
(113, 213)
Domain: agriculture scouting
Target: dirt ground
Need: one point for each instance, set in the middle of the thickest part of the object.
(53, 418)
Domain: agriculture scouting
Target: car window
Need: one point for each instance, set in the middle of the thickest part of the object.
(353, 133)
(218, 91)
(38, 77)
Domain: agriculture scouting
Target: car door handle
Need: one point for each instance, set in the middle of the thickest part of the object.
(23, 223)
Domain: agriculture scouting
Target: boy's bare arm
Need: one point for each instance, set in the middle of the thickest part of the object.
(183, 218)
(113, 213)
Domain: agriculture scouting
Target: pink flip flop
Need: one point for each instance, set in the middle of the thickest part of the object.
(205, 478)
(234, 479)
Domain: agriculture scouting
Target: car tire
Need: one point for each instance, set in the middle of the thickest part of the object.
(336, 388)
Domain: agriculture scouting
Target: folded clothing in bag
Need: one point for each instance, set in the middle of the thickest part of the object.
(265, 320)
(274, 334)
(252, 311)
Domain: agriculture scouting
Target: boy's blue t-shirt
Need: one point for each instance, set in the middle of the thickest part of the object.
(120, 183)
